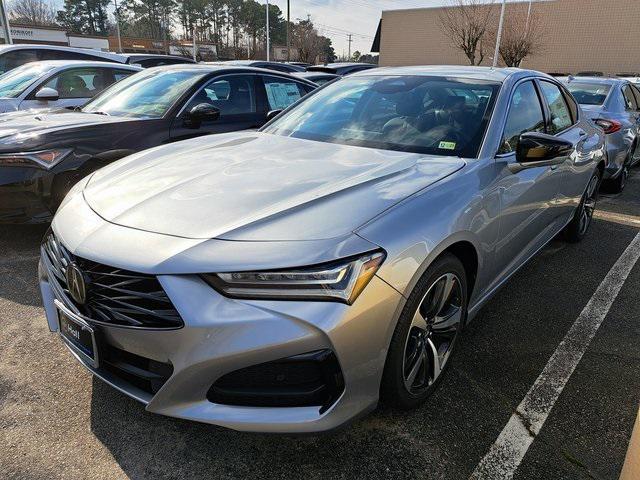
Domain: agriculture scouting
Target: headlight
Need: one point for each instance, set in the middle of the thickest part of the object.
(342, 280)
(43, 159)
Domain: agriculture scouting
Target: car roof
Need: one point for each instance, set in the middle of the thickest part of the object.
(316, 74)
(344, 64)
(158, 55)
(596, 80)
(82, 63)
(114, 57)
(222, 67)
(476, 73)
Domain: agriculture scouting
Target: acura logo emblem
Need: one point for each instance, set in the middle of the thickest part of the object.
(76, 284)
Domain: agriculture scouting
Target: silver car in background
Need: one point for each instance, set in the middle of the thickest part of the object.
(614, 105)
(58, 83)
(288, 279)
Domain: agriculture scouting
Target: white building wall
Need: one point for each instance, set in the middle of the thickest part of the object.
(89, 42)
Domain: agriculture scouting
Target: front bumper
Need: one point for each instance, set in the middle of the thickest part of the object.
(222, 335)
(24, 195)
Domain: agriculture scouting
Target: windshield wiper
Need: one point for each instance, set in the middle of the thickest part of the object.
(100, 112)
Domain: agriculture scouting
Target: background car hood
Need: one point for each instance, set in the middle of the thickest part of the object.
(256, 186)
(28, 126)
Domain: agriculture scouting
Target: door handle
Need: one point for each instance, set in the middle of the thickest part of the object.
(582, 133)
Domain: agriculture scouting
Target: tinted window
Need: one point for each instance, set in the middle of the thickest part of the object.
(121, 74)
(46, 54)
(15, 58)
(525, 115)
(636, 92)
(282, 92)
(560, 115)
(571, 103)
(629, 99)
(421, 114)
(156, 62)
(589, 93)
(148, 94)
(232, 95)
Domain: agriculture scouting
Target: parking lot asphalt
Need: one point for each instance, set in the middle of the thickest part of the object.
(56, 421)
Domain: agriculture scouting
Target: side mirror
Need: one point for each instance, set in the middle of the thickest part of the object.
(272, 114)
(47, 94)
(539, 149)
(203, 112)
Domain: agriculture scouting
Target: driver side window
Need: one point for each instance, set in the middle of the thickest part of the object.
(232, 95)
(525, 115)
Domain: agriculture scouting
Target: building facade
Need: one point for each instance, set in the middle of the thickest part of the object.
(578, 35)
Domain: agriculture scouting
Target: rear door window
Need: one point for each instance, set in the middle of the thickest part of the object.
(282, 92)
(629, 98)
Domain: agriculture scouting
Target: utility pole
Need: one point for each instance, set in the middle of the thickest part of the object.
(195, 47)
(499, 36)
(528, 16)
(5, 23)
(117, 13)
(350, 40)
(288, 33)
(268, 35)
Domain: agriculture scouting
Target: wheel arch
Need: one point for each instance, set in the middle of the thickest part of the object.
(462, 245)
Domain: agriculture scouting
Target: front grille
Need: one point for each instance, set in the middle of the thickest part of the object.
(114, 296)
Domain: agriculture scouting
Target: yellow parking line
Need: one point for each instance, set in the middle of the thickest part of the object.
(620, 218)
(631, 468)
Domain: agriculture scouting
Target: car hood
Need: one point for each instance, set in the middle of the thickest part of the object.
(29, 126)
(258, 187)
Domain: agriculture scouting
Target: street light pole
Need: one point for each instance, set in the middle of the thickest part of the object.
(5, 23)
(528, 16)
(268, 35)
(117, 26)
(288, 33)
(499, 36)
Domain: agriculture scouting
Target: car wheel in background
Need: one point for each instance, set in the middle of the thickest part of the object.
(426, 334)
(577, 229)
(616, 185)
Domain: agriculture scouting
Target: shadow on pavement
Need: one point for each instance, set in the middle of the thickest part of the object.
(19, 263)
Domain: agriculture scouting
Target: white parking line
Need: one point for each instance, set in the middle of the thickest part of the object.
(506, 454)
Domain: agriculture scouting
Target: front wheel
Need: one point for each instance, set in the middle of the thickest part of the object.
(426, 334)
(579, 225)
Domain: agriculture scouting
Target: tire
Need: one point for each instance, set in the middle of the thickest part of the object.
(424, 334)
(617, 184)
(578, 228)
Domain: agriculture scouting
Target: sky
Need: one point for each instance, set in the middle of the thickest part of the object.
(337, 18)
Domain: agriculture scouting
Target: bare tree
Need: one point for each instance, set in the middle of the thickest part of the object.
(466, 23)
(522, 36)
(307, 41)
(33, 12)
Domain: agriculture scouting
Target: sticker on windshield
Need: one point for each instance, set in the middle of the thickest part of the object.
(447, 145)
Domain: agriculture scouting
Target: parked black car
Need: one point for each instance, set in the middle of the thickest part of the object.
(341, 68)
(43, 154)
(319, 78)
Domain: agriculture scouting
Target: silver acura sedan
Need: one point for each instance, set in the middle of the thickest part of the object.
(286, 280)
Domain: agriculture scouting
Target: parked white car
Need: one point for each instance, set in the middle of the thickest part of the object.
(58, 83)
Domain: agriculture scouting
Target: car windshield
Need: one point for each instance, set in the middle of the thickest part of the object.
(589, 93)
(16, 81)
(148, 94)
(422, 114)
